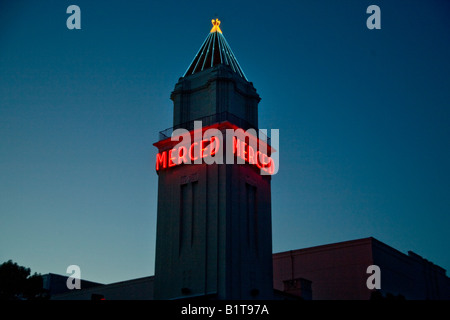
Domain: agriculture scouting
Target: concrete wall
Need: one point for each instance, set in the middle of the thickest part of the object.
(187, 235)
(214, 221)
(212, 91)
(213, 232)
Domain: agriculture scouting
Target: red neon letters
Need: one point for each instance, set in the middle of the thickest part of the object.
(247, 153)
(209, 147)
(177, 156)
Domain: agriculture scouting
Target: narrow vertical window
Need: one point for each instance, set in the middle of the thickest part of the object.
(194, 209)
(252, 217)
(183, 214)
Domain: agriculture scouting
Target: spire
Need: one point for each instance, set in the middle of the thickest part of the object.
(214, 51)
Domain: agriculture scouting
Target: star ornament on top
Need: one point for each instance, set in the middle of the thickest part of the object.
(216, 24)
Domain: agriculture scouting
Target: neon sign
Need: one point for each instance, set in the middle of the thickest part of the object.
(247, 153)
(182, 154)
(245, 149)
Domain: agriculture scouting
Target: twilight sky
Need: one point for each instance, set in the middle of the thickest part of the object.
(364, 120)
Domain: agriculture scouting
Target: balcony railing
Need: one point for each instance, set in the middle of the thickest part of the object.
(210, 120)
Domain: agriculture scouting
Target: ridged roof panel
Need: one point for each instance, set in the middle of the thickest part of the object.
(214, 51)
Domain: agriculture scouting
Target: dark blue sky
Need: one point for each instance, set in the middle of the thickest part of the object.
(364, 120)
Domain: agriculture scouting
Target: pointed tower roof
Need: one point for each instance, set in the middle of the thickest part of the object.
(214, 51)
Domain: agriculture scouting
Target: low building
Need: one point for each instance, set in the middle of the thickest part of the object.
(55, 284)
(135, 289)
(338, 271)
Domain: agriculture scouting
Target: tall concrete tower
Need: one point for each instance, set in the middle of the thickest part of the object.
(214, 232)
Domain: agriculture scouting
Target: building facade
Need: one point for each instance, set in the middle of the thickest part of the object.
(338, 271)
(214, 219)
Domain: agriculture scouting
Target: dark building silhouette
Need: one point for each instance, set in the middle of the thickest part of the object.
(55, 284)
(134, 289)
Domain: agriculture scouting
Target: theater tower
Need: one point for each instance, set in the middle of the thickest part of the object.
(214, 235)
